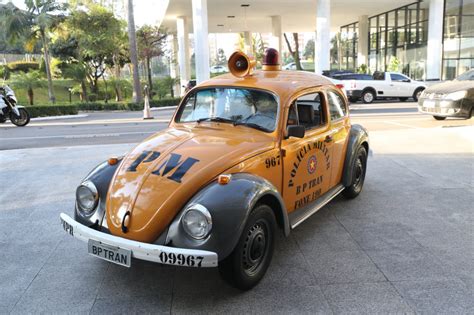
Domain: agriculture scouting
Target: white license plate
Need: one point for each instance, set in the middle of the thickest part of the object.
(429, 104)
(110, 253)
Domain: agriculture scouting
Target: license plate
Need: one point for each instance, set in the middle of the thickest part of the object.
(429, 104)
(110, 253)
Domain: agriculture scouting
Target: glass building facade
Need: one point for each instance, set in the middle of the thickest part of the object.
(398, 40)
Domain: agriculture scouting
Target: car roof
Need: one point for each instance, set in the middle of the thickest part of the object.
(282, 83)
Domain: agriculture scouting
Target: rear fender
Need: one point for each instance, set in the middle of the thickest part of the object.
(357, 137)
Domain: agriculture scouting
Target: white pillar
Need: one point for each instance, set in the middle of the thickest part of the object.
(323, 30)
(435, 40)
(276, 34)
(248, 47)
(201, 40)
(174, 71)
(363, 42)
(183, 52)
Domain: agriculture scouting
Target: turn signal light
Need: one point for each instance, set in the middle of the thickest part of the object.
(224, 179)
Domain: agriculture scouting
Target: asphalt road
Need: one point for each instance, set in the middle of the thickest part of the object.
(405, 245)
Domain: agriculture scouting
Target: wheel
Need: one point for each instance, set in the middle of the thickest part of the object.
(403, 99)
(417, 94)
(439, 117)
(249, 260)
(358, 174)
(21, 121)
(368, 97)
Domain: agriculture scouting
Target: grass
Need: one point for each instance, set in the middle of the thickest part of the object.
(41, 97)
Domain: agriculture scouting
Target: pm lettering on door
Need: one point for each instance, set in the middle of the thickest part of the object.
(173, 167)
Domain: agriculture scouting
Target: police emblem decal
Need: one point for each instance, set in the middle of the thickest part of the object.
(312, 164)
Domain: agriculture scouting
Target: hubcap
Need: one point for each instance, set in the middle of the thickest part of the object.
(368, 97)
(255, 248)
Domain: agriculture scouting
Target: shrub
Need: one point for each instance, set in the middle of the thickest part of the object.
(165, 102)
(24, 66)
(51, 110)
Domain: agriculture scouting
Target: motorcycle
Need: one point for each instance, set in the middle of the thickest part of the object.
(17, 114)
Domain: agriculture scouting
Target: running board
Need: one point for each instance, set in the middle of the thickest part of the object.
(297, 217)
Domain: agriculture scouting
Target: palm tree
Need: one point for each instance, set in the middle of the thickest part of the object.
(41, 17)
(137, 95)
(29, 81)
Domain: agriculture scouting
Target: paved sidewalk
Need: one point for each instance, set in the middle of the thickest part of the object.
(405, 245)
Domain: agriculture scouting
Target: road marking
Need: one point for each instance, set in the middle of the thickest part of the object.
(402, 125)
(81, 136)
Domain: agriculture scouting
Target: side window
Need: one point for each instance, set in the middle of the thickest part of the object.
(307, 111)
(337, 107)
(397, 78)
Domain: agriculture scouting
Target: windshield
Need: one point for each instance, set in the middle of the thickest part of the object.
(253, 108)
(466, 76)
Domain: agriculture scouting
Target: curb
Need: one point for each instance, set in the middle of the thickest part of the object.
(59, 117)
(163, 108)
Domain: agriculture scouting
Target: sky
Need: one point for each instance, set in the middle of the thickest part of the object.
(146, 11)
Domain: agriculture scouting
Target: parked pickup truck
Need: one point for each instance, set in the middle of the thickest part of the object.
(383, 85)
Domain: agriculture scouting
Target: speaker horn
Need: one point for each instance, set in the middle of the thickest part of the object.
(241, 65)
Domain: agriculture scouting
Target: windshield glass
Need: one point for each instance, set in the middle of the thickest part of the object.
(253, 108)
(466, 76)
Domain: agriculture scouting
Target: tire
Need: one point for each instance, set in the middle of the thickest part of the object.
(417, 93)
(358, 174)
(439, 117)
(403, 99)
(21, 121)
(248, 262)
(367, 97)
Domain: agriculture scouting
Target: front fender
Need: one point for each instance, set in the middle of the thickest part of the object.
(230, 206)
(101, 176)
(357, 137)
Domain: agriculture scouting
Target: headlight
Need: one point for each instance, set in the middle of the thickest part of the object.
(197, 221)
(456, 96)
(87, 197)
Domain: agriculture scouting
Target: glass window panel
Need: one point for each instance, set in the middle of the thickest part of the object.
(449, 69)
(412, 33)
(467, 47)
(412, 16)
(373, 40)
(451, 24)
(468, 7)
(401, 17)
(452, 7)
(391, 19)
(391, 38)
(451, 48)
(401, 36)
(382, 21)
(382, 40)
(423, 32)
(424, 10)
(465, 65)
(467, 26)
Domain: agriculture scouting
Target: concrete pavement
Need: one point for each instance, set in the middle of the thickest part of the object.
(405, 245)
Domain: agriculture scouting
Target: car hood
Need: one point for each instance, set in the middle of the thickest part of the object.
(450, 87)
(159, 176)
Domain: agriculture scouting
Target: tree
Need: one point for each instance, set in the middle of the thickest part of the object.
(150, 41)
(35, 24)
(296, 51)
(309, 50)
(137, 94)
(29, 81)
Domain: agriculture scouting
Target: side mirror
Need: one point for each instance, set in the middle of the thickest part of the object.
(407, 80)
(296, 131)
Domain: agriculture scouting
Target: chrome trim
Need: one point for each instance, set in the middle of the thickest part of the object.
(143, 251)
(89, 185)
(205, 212)
(304, 213)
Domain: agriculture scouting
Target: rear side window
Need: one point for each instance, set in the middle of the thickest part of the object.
(379, 76)
(337, 106)
(307, 111)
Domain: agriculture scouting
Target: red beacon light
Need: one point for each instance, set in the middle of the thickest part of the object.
(271, 60)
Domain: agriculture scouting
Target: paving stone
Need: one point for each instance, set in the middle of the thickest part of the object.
(151, 304)
(450, 296)
(365, 298)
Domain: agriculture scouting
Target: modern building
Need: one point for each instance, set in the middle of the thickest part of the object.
(428, 40)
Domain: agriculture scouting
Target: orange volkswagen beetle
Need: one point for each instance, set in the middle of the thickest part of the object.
(246, 154)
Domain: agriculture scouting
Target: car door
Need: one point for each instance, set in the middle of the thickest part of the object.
(401, 84)
(306, 161)
(340, 128)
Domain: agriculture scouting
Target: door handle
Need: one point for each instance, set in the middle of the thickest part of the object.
(328, 139)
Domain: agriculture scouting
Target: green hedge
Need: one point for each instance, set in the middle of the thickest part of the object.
(24, 66)
(51, 110)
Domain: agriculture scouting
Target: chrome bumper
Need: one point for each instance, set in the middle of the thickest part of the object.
(144, 251)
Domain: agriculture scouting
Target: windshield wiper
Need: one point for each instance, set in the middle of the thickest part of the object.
(217, 119)
(251, 125)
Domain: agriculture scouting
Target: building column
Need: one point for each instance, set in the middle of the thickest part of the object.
(322, 44)
(435, 40)
(183, 52)
(363, 41)
(174, 71)
(276, 34)
(201, 40)
(248, 47)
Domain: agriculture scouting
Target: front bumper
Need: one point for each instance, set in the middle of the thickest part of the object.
(440, 107)
(143, 251)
